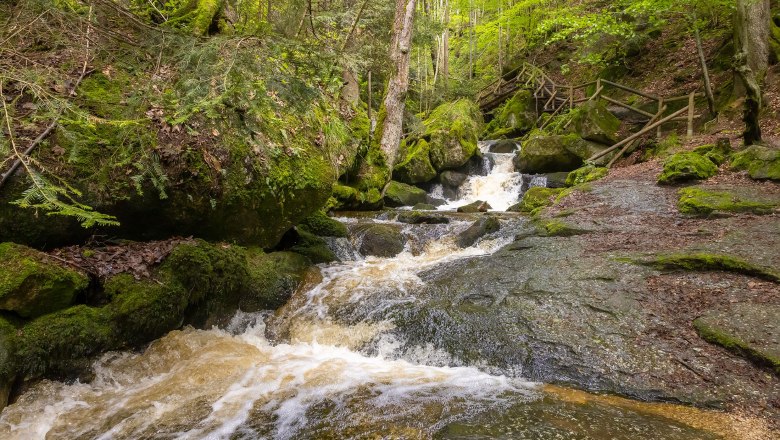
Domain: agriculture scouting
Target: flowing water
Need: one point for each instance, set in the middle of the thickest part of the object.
(497, 183)
(329, 366)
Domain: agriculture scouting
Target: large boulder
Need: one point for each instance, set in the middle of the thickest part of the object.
(554, 153)
(380, 240)
(514, 118)
(593, 122)
(414, 165)
(400, 194)
(761, 163)
(682, 167)
(535, 198)
(274, 277)
(453, 131)
(320, 224)
(33, 284)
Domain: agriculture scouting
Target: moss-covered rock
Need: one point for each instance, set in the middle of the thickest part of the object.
(33, 284)
(313, 247)
(718, 153)
(761, 163)
(400, 194)
(274, 278)
(7, 361)
(703, 261)
(63, 342)
(535, 198)
(514, 118)
(558, 228)
(588, 173)
(452, 130)
(682, 167)
(478, 206)
(592, 121)
(380, 240)
(543, 153)
(347, 198)
(701, 202)
(320, 224)
(414, 165)
(747, 329)
(418, 218)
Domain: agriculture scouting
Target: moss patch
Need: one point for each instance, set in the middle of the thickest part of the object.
(452, 131)
(535, 198)
(274, 278)
(400, 194)
(320, 224)
(558, 228)
(313, 247)
(718, 153)
(415, 163)
(700, 202)
(702, 261)
(32, 284)
(686, 166)
(588, 173)
(761, 163)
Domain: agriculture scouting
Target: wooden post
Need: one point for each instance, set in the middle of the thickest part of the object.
(658, 133)
(571, 97)
(691, 112)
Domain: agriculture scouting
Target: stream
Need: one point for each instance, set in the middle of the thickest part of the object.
(332, 364)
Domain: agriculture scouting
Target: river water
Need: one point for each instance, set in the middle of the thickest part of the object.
(329, 365)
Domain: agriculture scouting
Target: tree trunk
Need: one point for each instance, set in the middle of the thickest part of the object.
(751, 43)
(397, 87)
(445, 50)
(705, 71)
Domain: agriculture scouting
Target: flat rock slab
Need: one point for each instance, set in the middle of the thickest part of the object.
(751, 330)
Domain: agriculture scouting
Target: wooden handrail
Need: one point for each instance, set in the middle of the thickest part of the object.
(627, 106)
(629, 89)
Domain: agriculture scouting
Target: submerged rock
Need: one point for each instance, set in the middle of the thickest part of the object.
(33, 284)
(477, 230)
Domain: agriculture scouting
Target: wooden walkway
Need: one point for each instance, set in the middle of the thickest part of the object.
(553, 98)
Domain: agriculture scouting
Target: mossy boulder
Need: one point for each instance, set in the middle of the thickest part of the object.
(588, 173)
(718, 153)
(380, 240)
(747, 329)
(535, 198)
(452, 130)
(419, 218)
(33, 284)
(558, 228)
(704, 261)
(347, 198)
(761, 163)
(313, 247)
(452, 179)
(682, 167)
(543, 153)
(704, 202)
(593, 122)
(320, 224)
(400, 194)
(415, 164)
(504, 146)
(477, 230)
(274, 277)
(514, 118)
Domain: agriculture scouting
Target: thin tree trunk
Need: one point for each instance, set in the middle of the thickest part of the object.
(751, 42)
(445, 42)
(705, 71)
(398, 86)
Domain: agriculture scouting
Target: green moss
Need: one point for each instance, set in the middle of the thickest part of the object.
(415, 164)
(7, 350)
(761, 163)
(515, 117)
(537, 197)
(314, 248)
(588, 173)
(274, 278)
(714, 335)
(197, 15)
(32, 284)
(400, 194)
(320, 224)
(594, 122)
(699, 202)
(452, 131)
(669, 145)
(61, 343)
(718, 153)
(682, 167)
(558, 228)
(703, 261)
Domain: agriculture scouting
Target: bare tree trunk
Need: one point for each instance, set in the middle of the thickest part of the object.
(751, 42)
(445, 50)
(397, 87)
(705, 71)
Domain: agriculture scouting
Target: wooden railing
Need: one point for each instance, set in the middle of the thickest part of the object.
(553, 98)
